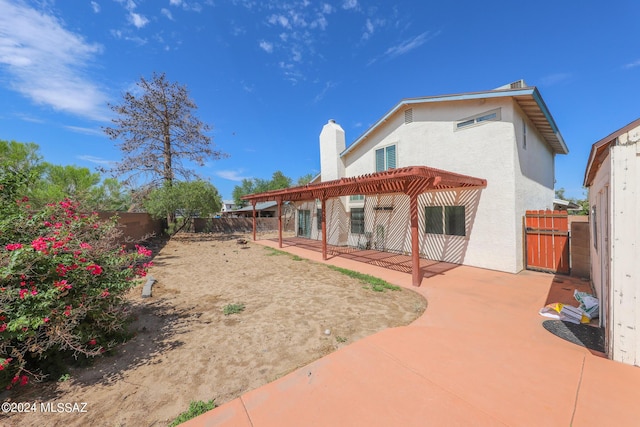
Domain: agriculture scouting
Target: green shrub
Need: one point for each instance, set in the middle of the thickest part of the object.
(377, 285)
(63, 279)
(195, 409)
(232, 309)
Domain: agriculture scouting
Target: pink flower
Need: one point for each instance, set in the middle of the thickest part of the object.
(23, 292)
(67, 311)
(94, 269)
(3, 327)
(105, 293)
(92, 342)
(15, 379)
(46, 320)
(143, 251)
(85, 245)
(39, 244)
(24, 380)
(62, 285)
(13, 246)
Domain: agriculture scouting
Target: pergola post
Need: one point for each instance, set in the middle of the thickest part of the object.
(416, 276)
(323, 218)
(253, 203)
(279, 222)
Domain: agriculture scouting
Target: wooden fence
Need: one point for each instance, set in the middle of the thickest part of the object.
(135, 226)
(238, 225)
(547, 241)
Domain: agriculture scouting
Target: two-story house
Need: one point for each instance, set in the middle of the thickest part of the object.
(490, 157)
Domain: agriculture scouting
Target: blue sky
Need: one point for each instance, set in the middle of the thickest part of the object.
(267, 75)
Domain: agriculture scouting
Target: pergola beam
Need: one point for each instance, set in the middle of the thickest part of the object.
(411, 181)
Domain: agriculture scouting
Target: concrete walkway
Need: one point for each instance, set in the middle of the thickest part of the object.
(477, 356)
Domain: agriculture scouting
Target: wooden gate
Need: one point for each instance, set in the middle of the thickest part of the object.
(547, 241)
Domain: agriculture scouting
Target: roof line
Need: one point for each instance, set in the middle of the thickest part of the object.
(500, 93)
(438, 98)
(595, 148)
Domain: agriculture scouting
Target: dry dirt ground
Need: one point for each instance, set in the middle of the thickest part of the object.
(186, 349)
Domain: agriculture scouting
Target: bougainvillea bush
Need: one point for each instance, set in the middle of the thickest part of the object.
(63, 278)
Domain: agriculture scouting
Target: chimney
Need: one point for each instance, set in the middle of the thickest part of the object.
(332, 143)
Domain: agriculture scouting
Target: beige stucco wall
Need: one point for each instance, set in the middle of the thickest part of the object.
(516, 179)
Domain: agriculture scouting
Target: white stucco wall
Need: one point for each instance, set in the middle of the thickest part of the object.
(534, 174)
(516, 179)
(625, 235)
(600, 202)
(332, 143)
(615, 199)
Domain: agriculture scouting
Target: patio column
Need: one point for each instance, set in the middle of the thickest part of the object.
(416, 276)
(324, 227)
(279, 222)
(253, 203)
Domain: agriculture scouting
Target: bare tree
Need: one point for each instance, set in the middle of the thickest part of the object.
(157, 130)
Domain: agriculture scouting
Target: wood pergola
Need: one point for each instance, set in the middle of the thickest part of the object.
(412, 181)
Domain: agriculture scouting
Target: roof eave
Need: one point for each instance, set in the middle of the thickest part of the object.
(598, 147)
(560, 147)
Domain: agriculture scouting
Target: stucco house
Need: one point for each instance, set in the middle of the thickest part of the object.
(227, 206)
(613, 178)
(489, 155)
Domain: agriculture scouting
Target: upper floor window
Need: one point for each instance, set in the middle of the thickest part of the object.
(356, 197)
(493, 115)
(386, 158)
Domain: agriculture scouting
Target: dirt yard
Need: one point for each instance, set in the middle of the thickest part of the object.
(186, 349)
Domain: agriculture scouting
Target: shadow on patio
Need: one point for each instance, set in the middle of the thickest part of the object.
(392, 261)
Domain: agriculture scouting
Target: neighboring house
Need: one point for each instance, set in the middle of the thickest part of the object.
(263, 210)
(565, 205)
(613, 178)
(490, 156)
(227, 206)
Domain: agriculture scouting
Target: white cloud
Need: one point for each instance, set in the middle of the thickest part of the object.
(406, 46)
(279, 19)
(86, 131)
(327, 8)
(232, 175)
(96, 160)
(630, 65)
(555, 79)
(167, 13)
(368, 30)
(266, 46)
(45, 62)
(349, 4)
(95, 6)
(328, 85)
(124, 35)
(138, 20)
(175, 2)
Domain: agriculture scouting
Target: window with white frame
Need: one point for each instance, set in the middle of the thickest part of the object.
(386, 158)
(447, 220)
(356, 198)
(478, 119)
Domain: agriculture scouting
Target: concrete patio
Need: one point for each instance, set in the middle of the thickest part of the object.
(477, 356)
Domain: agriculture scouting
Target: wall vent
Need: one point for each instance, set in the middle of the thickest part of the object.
(408, 116)
(518, 84)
